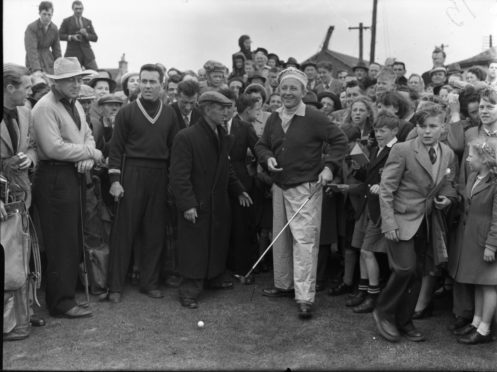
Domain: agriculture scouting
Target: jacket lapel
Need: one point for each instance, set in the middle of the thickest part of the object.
(5, 136)
(422, 157)
(482, 185)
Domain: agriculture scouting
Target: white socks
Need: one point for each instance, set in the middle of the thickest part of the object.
(483, 328)
(476, 321)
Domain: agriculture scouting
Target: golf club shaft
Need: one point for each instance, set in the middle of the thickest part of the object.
(318, 187)
(82, 215)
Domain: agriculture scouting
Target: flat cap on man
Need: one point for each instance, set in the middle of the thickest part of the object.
(214, 66)
(214, 97)
(110, 98)
(438, 69)
(86, 93)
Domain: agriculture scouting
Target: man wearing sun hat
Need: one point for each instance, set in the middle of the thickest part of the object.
(291, 148)
(66, 151)
(201, 176)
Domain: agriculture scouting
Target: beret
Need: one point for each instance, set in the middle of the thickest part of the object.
(127, 75)
(214, 97)
(438, 69)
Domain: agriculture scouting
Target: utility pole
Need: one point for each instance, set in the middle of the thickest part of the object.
(361, 29)
(373, 32)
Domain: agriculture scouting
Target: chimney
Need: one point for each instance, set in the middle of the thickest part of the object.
(327, 38)
(123, 65)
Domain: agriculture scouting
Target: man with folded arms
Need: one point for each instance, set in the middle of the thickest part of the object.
(66, 151)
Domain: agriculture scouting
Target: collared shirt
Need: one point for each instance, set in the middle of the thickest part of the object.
(228, 125)
(436, 165)
(392, 142)
(287, 116)
(70, 106)
(490, 133)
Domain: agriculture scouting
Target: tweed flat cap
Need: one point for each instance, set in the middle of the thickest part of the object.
(214, 97)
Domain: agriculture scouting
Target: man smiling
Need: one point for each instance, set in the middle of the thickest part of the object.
(291, 148)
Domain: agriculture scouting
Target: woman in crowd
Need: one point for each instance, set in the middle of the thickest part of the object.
(330, 103)
(475, 74)
(130, 83)
(415, 82)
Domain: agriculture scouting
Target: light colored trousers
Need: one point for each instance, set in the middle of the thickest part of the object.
(295, 253)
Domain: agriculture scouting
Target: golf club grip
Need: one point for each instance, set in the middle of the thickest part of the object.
(283, 229)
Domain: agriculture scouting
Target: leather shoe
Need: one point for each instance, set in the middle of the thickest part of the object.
(467, 329)
(357, 299)
(114, 297)
(77, 312)
(366, 306)
(341, 289)
(305, 311)
(276, 292)
(153, 293)
(425, 313)
(189, 303)
(36, 321)
(386, 329)
(459, 322)
(412, 333)
(15, 335)
(474, 338)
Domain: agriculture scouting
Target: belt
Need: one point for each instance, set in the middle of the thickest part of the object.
(57, 163)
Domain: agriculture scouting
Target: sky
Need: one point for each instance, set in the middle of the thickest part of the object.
(186, 33)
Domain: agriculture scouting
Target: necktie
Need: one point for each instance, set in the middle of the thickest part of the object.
(433, 155)
(10, 117)
(187, 121)
(80, 25)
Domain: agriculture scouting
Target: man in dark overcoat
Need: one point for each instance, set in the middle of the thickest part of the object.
(201, 177)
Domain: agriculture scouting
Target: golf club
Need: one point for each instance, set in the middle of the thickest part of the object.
(243, 279)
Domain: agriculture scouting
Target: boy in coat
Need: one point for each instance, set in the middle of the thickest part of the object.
(417, 177)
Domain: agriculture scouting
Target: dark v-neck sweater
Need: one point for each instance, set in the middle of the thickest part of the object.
(135, 136)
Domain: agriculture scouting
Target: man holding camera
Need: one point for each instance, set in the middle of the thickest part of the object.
(78, 32)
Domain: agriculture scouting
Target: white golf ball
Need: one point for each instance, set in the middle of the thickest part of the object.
(200, 324)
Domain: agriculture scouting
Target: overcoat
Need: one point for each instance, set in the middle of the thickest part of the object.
(42, 47)
(478, 228)
(26, 144)
(201, 177)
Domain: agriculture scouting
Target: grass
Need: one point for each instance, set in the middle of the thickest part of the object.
(243, 330)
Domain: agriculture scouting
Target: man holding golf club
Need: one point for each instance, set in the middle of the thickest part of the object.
(294, 145)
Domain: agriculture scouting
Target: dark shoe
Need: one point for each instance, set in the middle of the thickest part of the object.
(36, 321)
(276, 292)
(15, 335)
(189, 303)
(173, 281)
(153, 293)
(468, 328)
(222, 285)
(245, 280)
(320, 287)
(387, 329)
(367, 306)
(115, 297)
(412, 333)
(305, 311)
(459, 322)
(474, 338)
(341, 289)
(77, 312)
(425, 313)
(357, 299)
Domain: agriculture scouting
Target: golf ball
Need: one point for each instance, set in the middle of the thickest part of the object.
(200, 324)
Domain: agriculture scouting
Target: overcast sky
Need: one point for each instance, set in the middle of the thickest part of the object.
(186, 33)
